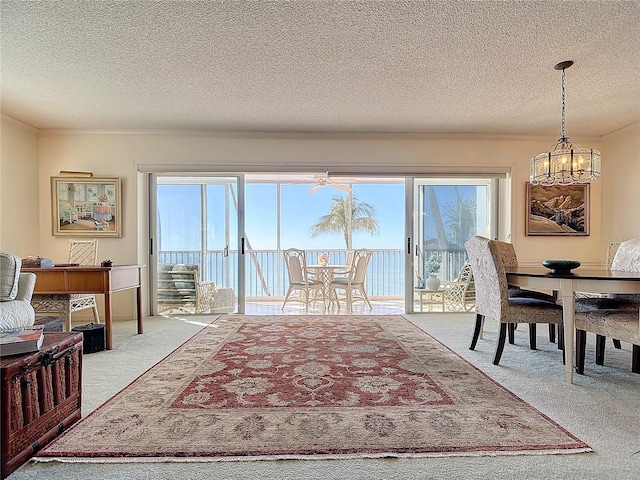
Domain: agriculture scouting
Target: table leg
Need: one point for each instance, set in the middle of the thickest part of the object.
(139, 308)
(568, 306)
(107, 320)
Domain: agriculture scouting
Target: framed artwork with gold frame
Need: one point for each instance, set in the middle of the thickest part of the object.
(86, 206)
(557, 210)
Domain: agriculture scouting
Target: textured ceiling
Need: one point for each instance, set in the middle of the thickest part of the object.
(482, 67)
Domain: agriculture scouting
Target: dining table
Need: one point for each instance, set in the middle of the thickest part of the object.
(567, 283)
(326, 273)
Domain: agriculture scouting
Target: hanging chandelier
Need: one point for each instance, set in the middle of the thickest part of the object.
(565, 163)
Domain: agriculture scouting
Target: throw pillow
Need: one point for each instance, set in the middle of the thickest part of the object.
(9, 274)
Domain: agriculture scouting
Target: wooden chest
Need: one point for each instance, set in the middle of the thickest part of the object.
(41, 397)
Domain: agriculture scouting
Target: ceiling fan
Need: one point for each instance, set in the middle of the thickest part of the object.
(325, 180)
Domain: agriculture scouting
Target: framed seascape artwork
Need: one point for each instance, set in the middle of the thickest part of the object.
(557, 209)
(86, 206)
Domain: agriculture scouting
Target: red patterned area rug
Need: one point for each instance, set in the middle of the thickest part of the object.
(265, 387)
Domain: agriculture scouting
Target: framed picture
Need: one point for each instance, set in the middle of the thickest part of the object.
(86, 206)
(557, 210)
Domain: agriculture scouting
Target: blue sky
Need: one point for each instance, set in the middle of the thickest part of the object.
(179, 212)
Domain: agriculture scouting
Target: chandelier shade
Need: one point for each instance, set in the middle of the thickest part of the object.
(565, 163)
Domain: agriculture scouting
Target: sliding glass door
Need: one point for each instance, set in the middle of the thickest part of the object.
(197, 243)
(447, 212)
(198, 225)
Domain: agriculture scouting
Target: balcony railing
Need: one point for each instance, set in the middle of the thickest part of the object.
(266, 274)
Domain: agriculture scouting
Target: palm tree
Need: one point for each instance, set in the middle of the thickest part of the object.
(346, 215)
(461, 219)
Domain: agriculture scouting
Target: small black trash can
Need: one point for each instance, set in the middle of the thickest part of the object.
(94, 337)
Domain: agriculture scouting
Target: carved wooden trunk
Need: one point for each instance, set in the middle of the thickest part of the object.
(41, 396)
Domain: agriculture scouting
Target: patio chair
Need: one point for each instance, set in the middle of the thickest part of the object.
(353, 282)
(459, 294)
(493, 300)
(82, 252)
(180, 288)
(300, 282)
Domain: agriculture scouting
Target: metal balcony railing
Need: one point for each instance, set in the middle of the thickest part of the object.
(266, 274)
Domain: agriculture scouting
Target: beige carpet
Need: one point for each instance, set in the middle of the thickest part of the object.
(289, 386)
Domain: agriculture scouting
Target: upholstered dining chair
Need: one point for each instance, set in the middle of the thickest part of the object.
(353, 283)
(299, 280)
(492, 296)
(594, 311)
(82, 252)
(623, 325)
(509, 258)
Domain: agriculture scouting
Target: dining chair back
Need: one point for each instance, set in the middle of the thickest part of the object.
(83, 252)
(300, 283)
(492, 296)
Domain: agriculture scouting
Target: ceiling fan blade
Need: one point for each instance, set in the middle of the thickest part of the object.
(314, 188)
(341, 187)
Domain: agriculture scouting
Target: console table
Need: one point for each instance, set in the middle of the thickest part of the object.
(91, 279)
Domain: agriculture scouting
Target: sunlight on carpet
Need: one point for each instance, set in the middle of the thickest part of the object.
(264, 387)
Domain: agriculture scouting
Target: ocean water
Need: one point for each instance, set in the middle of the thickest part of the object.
(266, 274)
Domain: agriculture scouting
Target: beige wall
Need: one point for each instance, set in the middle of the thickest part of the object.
(622, 184)
(121, 155)
(19, 192)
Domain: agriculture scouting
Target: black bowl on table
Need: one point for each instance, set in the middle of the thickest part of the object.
(561, 266)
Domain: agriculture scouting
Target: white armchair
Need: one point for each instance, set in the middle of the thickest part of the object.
(16, 290)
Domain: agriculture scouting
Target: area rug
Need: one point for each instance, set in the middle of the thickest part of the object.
(265, 387)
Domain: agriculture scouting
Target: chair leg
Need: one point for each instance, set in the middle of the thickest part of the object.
(512, 331)
(476, 331)
(286, 297)
(581, 346)
(363, 292)
(635, 359)
(552, 332)
(560, 337)
(96, 317)
(68, 319)
(501, 338)
(600, 343)
(532, 336)
(616, 344)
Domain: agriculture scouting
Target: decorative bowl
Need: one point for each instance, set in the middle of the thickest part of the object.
(561, 266)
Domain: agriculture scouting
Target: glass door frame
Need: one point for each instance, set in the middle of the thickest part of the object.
(152, 180)
(414, 223)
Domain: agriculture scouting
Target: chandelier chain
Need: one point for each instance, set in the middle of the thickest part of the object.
(563, 132)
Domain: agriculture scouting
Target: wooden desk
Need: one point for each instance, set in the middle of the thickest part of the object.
(579, 280)
(92, 279)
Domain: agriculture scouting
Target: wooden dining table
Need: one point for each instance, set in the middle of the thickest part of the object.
(595, 280)
(92, 279)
